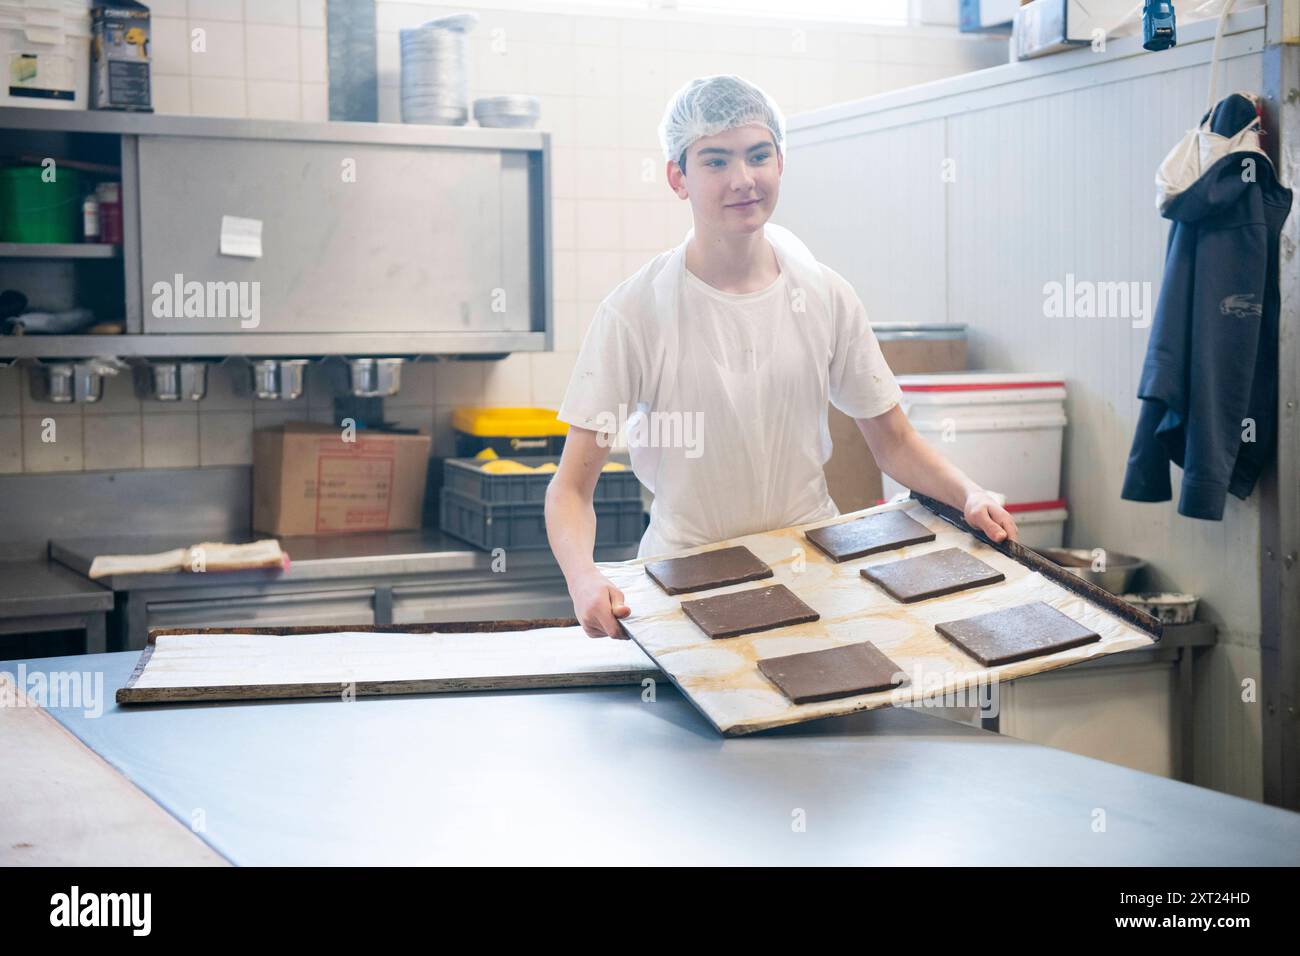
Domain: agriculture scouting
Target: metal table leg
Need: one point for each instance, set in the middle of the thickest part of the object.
(1186, 714)
(96, 634)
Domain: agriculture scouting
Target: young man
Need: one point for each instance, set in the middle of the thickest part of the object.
(720, 357)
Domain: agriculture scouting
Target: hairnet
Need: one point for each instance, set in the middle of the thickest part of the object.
(710, 105)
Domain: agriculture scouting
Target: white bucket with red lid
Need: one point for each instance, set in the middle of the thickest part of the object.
(1004, 429)
(1041, 523)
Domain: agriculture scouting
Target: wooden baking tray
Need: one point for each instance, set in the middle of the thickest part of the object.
(1031, 559)
(558, 655)
(722, 679)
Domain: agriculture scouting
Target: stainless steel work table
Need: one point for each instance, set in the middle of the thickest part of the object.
(314, 557)
(402, 577)
(601, 776)
(37, 595)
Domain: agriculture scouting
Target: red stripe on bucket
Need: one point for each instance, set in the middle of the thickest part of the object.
(1035, 505)
(981, 386)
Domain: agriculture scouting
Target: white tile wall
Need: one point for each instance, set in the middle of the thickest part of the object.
(218, 96)
(274, 99)
(603, 81)
(112, 442)
(226, 438)
(279, 12)
(52, 441)
(217, 48)
(219, 9)
(272, 52)
(171, 440)
(248, 44)
(11, 445)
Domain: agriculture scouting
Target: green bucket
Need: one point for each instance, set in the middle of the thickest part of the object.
(33, 210)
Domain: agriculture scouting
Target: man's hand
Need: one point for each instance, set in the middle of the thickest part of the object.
(982, 511)
(914, 463)
(597, 604)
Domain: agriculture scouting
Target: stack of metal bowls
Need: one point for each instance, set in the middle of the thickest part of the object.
(435, 71)
(511, 111)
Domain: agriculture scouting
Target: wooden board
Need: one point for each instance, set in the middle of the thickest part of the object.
(270, 663)
(722, 678)
(62, 805)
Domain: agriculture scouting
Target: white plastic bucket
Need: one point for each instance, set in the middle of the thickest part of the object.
(1004, 429)
(45, 54)
(1041, 523)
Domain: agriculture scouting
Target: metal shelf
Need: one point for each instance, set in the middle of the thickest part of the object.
(522, 168)
(301, 345)
(59, 250)
(111, 123)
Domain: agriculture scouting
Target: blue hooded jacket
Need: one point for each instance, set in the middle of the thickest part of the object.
(1211, 363)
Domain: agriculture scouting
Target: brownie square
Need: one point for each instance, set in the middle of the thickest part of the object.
(869, 535)
(709, 569)
(746, 612)
(931, 575)
(835, 672)
(1016, 633)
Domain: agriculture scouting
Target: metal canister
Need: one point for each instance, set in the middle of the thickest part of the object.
(172, 381)
(67, 382)
(375, 377)
(275, 380)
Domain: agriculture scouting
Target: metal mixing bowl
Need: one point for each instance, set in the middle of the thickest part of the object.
(1109, 570)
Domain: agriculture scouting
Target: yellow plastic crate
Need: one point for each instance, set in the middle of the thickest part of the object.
(508, 431)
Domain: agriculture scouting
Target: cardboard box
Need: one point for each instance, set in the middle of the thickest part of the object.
(1049, 26)
(852, 475)
(308, 480)
(119, 49)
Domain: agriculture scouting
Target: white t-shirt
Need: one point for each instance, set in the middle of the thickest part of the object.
(754, 374)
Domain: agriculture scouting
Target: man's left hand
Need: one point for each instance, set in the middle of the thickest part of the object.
(983, 512)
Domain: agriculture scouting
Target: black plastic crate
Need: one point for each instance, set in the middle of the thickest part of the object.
(465, 476)
(489, 526)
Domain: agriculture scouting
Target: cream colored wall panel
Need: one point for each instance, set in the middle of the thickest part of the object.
(1118, 714)
(1054, 176)
(873, 210)
(1061, 186)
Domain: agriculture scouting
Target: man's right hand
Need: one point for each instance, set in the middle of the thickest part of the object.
(597, 604)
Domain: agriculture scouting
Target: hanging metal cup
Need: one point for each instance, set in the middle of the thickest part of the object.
(375, 377)
(67, 382)
(172, 381)
(273, 380)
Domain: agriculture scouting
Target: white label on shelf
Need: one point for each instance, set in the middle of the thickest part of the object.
(241, 237)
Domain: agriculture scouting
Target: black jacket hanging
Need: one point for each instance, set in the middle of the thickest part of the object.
(1209, 382)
